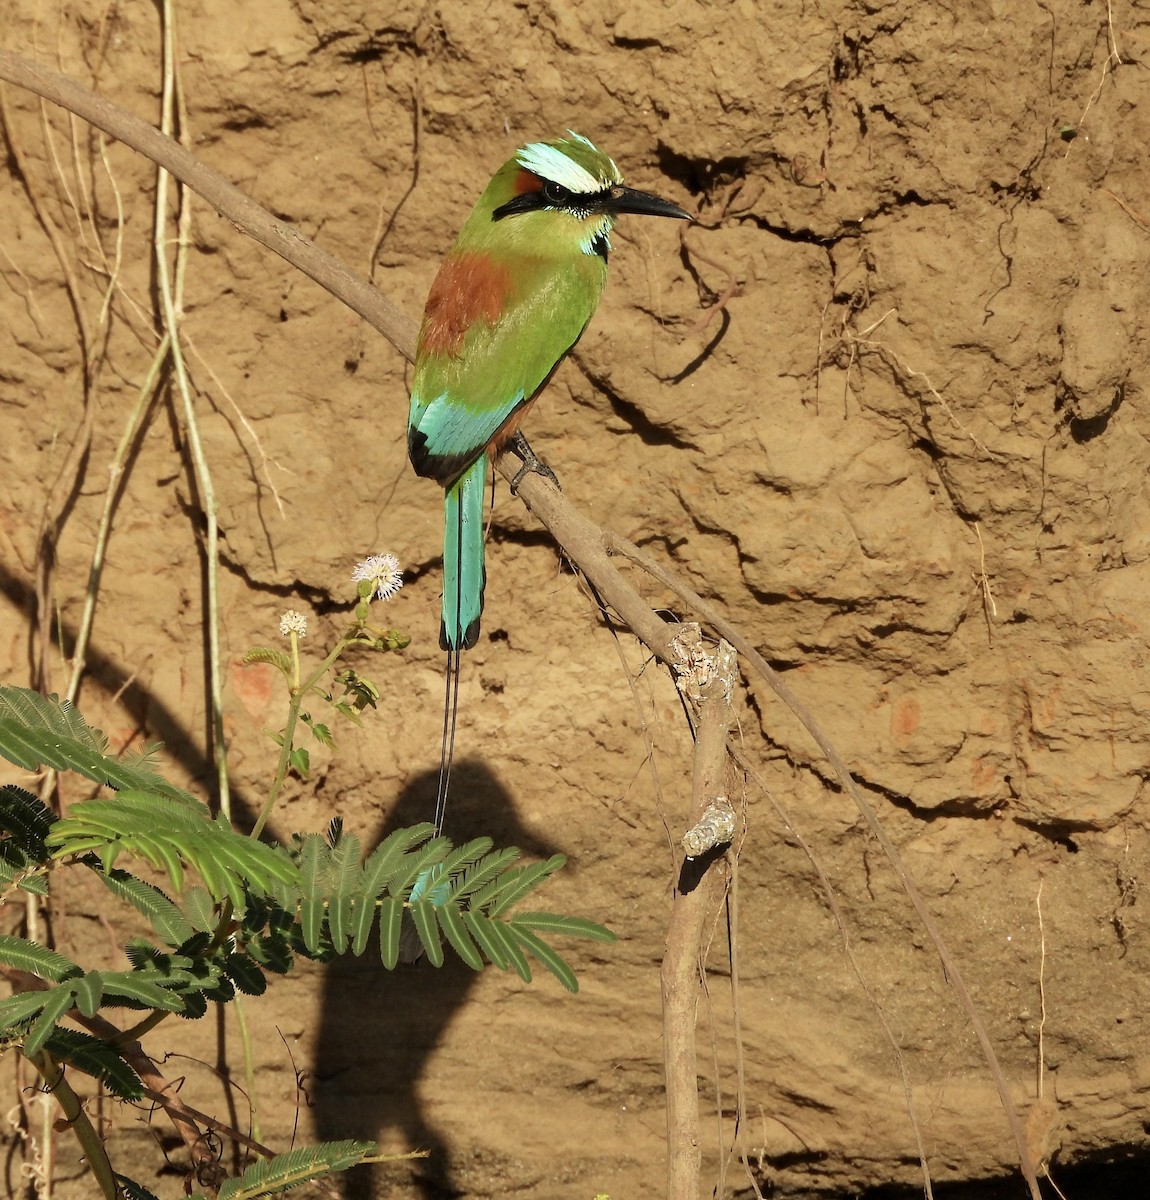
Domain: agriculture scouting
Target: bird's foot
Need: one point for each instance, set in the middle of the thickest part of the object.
(532, 463)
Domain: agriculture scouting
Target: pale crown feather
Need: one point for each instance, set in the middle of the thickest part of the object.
(549, 162)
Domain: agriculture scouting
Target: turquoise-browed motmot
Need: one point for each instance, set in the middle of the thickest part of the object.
(510, 300)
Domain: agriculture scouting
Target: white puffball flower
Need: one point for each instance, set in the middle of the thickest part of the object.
(293, 622)
(382, 570)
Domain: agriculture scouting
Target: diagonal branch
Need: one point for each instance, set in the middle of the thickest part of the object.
(227, 199)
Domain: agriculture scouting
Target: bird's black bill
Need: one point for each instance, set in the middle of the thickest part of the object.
(629, 200)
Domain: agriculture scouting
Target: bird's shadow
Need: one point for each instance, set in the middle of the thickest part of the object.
(379, 1028)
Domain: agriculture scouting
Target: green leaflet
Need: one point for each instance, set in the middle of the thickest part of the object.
(556, 923)
(97, 1058)
(56, 1004)
(26, 820)
(136, 1191)
(390, 924)
(423, 915)
(452, 922)
(36, 730)
(374, 877)
(168, 835)
(275, 658)
(344, 874)
(515, 884)
(482, 929)
(38, 960)
(553, 961)
(297, 1167)
(165, 916)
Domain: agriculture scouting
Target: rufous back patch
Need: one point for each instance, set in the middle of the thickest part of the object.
(470, 286)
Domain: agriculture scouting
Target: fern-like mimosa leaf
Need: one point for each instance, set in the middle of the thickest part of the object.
(483, 872)
(423, 915)
(551, 959)
(464, 856)
(245, 973)
(37, 730)
(132, 985)
(557, 923)
(12, 876)
(19, 1008)
(512, 949)
(26, 820)
(274, 658)
(482, 929)
(89, 992)
(518, 882)
(313, 867)
(97, 1058)
(451, 922)
(37, 960)
(345, 876)
(56, 1003)
(286, 1171)
(390, 924)
(200, 909)
(416, 863)
(136, 1191)
(382, 861)
(166, 918)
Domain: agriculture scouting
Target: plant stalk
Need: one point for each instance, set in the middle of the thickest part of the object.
(53, 1075)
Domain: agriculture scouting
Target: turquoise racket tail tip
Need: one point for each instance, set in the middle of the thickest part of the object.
(464, 575)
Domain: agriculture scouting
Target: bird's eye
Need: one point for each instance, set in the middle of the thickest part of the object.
(555, 193)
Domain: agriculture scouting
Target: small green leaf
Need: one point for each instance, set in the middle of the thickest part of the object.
(96, 1058)
(553, 961)
(423, 914)
(133, 986)
(37, 960)
(136, 1191)
(16, 1009)
(482, 929)
(517, 883)
(89, 993)
(56, 1003)
(166, 918)
(245, 973)
(201, 909)
(451, 922)
(300, 761)
(289, 1170)
(556, 923)
(274, 658)
(514, 953)
(390, 924)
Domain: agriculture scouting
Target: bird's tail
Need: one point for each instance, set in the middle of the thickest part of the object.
(464, 578)
(463, 574)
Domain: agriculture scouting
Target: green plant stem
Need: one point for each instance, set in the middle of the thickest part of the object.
(249, 1066)
(137, 1031)
(53, 1075)
(295, 702)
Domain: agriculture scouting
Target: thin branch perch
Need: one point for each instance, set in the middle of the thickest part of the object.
(706, 678)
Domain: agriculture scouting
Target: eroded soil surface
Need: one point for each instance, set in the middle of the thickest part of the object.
(886, 404)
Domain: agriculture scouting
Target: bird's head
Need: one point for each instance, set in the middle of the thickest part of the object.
(567, 187)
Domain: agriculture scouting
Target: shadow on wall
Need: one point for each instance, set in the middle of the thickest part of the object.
(379, 1028)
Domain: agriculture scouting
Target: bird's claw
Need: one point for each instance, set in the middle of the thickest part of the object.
(532, 464)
